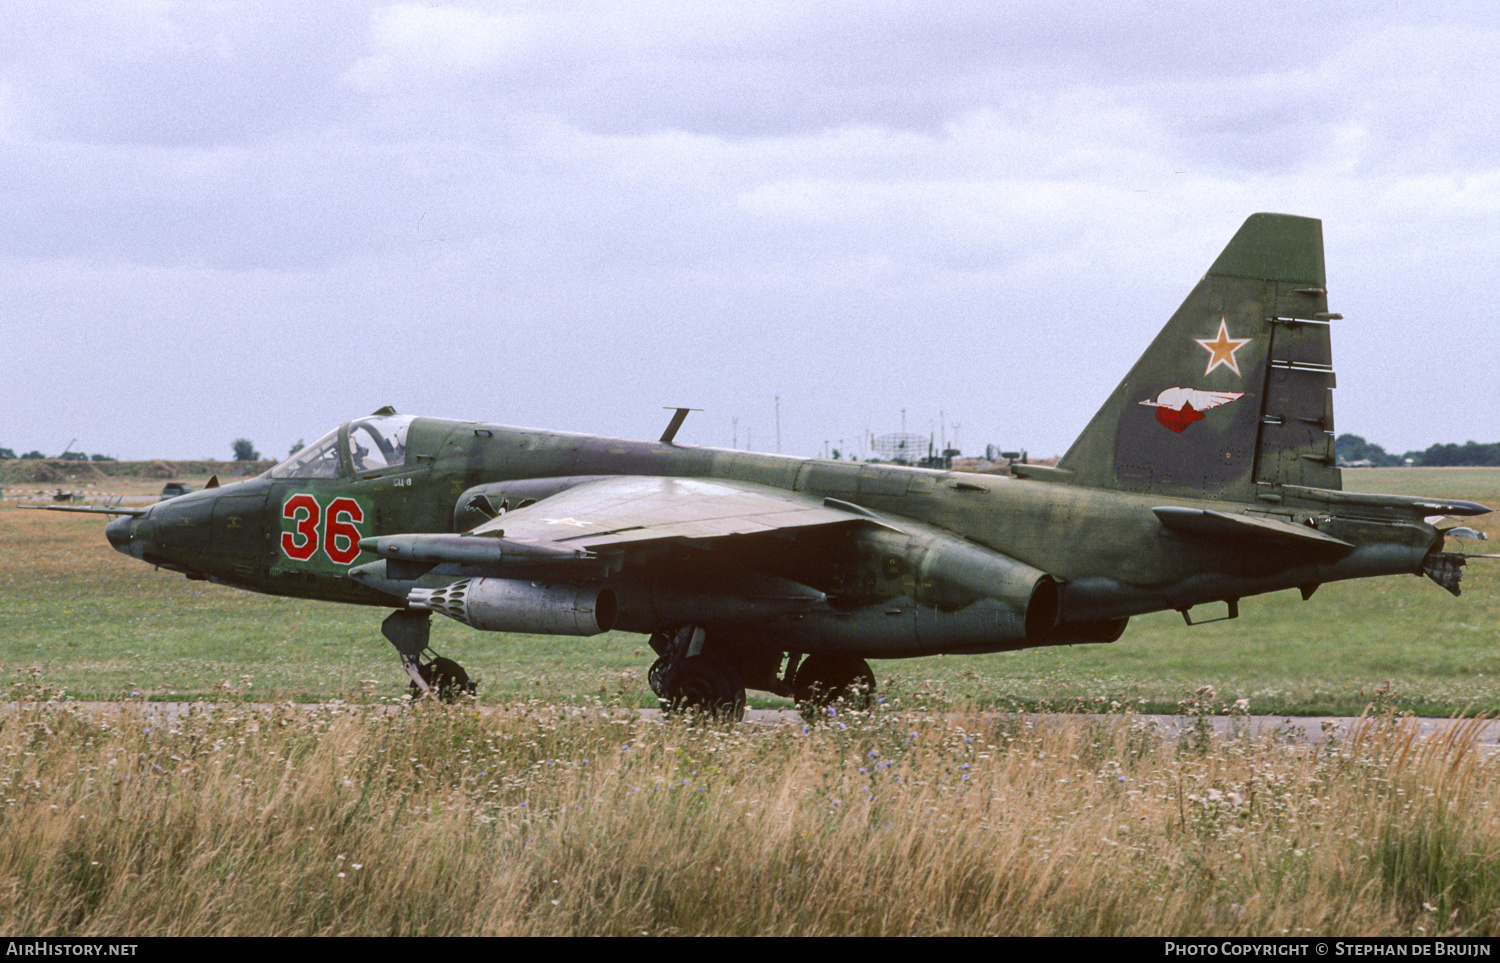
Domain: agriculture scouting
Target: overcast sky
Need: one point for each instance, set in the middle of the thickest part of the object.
(258, 220)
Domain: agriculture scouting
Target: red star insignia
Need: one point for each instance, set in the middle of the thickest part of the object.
(1222, 348)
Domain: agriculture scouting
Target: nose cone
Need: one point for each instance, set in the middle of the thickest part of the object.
(120, 534)
(129, 534)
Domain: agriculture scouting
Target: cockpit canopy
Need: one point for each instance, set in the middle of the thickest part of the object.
(376, 443)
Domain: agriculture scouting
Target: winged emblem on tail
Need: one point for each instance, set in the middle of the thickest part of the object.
(1178, 407)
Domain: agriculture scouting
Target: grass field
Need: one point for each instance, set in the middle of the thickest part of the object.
(433, 820)
(82, 619)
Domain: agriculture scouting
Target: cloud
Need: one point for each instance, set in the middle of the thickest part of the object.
(861, 207)
(422, 44)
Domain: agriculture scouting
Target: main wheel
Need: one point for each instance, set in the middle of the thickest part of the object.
(656, 677)
(705, 684)
(447, 679)
(823, 680)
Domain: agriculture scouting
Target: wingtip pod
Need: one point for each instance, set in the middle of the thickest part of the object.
(1235, 393)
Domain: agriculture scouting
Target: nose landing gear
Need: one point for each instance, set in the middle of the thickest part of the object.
(431, 674)
(443, 677)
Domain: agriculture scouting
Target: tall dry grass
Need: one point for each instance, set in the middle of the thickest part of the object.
(438, 820)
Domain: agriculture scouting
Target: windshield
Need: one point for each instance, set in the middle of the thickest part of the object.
(318, 460)
(378, 442)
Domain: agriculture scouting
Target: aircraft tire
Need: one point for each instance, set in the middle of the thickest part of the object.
(447, 678)
(707, 685)
(823, 680)
(656, 677)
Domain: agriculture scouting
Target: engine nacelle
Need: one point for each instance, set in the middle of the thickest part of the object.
(913, 590)
(950, 574)
(509, 605)
(1077, 633)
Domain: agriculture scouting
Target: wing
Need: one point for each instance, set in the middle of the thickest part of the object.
(580, 523)
(88, 509)
(627, 509)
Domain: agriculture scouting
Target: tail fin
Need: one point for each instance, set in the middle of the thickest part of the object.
(1235, 393)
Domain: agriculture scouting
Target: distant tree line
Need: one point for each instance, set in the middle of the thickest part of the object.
(1469, 453)
(244, 450)
(7, 454)
(1353, 448)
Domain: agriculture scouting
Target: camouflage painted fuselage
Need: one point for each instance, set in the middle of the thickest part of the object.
(898, 589)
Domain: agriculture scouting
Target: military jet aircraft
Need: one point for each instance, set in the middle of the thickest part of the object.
(1208, 476)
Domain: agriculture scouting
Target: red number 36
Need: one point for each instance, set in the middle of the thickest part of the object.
(339, 538)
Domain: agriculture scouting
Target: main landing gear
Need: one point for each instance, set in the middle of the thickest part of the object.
(822, 681)
(688, 678)
(431, 674)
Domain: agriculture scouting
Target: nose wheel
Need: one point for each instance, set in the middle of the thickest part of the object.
(443, 678)
(431, 674)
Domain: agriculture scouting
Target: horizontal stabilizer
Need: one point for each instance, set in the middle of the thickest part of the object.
(1201, 521)
(1416, 506)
